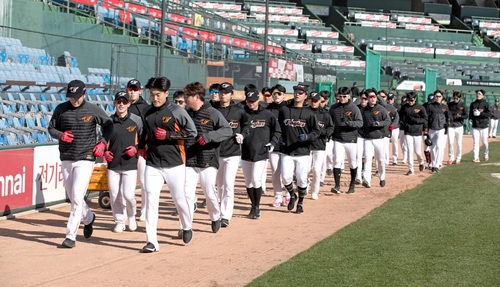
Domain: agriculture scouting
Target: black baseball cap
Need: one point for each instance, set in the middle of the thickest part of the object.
(134, 84)
(122, 95)
(301, 87)
(76, 89)
(226, 86)
(252, 95)
(314, 95)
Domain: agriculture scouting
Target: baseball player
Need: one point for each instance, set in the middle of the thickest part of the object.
(328, 162)
(166, 127)
(268, 95)
(213, 90)
(427, 148)
(74, 124)
(394, 117)
(458, 113)
(179, 98)
(438, 121)
(260, 139)
(402, 138)
(414, 118)
(495, 114)
(230, 153)
(121, 157)
(360, 144)
(347, 120)
(479, 114)
(202, 152)
(137, 106)
(375, 120)
(394, 129)
(299, 127)
(318, 154)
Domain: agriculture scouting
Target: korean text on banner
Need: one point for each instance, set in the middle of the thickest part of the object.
(48, 183)
(16, 172)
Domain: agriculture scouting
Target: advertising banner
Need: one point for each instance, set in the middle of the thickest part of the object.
(137, 8)
(16, 174)
(371, 17)
(48, 183)
(322, 34)
(281, 69)
(114, 4)
(419, 20)
(468, 53)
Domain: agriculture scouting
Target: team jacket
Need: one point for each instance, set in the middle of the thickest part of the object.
(413, 119)
(293, 122)
(82, 122)
(214, 128)
(458, 113)
(347, 120)
(238, 121)
(375, 121)
(263, 129)
(325, 124)
(393, 115)
(138, 107)
(495, 112)
(438, 116)
(481, 121)
(179, 126)
(125, 133)
(275, 110)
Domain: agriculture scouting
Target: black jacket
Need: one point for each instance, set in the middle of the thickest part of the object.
(325, 124)
(275, 110)
(458, 113)
(293, 122)
(481, 121)
(263, 129)
(138, 107)
(438, 116)
(375, 121)
(495, 112)
(347, 120)
(238, 120)
(125, 133)
(413, 119)
(82, 122)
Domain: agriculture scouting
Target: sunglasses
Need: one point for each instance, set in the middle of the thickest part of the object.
(364, 99)
(438, 96)
(372, 97)
(314, 100)
(125, 102)
(267, 95)
(344, 96)
(179, 102)
(133, 89)
(299, 92)
(277, 93)
(411, 100)
(214, 91)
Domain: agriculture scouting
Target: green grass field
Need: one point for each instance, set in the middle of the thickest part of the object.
(445, 232)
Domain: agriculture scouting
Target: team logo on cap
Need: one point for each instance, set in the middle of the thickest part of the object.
(133, 82)
(86, 119)
(225, 85)
(166, 119)
(73, 89)
(122, 94)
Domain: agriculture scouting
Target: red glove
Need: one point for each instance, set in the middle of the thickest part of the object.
(99, 149)
(391, 127)
(201, 141)
(108, 156)
(130, 151)
(142, 152)
(160, 134)
(66, 136)
(457, 116)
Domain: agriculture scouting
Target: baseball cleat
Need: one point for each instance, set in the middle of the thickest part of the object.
(457, 162)
(357, 181)
(277, 203)
(88, 229)
(187, 235)
(366, 184)
(382, 183)
(449, 162)
(132, 224)
(476, 160)
(256, 213)
(299, 210)
(486, 159)
(336, 190)
(68, 243)
(410, 172)
(351, 189)
(314, 196)
(215, 225)
(291, 204)
(421, 167)
(149, 248)
(224, 222)
(179, 233)
(119, 228)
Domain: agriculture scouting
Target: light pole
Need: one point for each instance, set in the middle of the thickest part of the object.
(162, 39)
(265, 73)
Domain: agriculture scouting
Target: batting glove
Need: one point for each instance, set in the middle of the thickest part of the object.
(142, 152)
(201, 141)
(270, 147)
(130, 151)
(302, 137)
(108, 156)
(66, 136)
(99, 149)
(160, 134)
(239, 138)
(391, 127)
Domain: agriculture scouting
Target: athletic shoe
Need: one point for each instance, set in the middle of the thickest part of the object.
(366, 184)
(204, 203)
(180, 233)
(329, 171)
(457, 162)
(449, 162)
(291, 204)
(404, 162)
(216, 225)
(277, 203)
(486, 159)
(382, 183)
(421, 167)
(119, 228)
(149, 248)
(314, 196)
(187, 235)
(436, 169)
(89, 228)
(394, 163)
(433, 170)
(224, 222)
(357, 181)
(336, 190)
(256, 213)
(300, 209)
(132, 224)
(142, 218)
(321, 184)
(475, 160)
(351, 189)
(252, 211)
(410, 172)
(68, 243)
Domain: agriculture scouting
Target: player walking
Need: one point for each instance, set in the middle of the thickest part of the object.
(479, 114)
(438, 121)
(458, 113)
(495, 114)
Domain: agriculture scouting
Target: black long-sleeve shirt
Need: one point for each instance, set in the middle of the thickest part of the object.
(125, 133)
(347, 120)
(293, 122)
(481, 121)
(438, 116)
(458, 113)
(263, 129)
(238, 120)
(414, 119)
(375, 121)
(325, 124)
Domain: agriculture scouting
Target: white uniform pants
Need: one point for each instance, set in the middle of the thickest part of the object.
(301, 165)
(493, 127)
(264, 177)
(340, 150)
(317, 158)
(395, 148)
(207, 177)
(226, 176)
(360, 145)
(121, 185)
(275, 159)
(76, 177)
(374, 147)
(458, 134)
(154, 180)
(328, 162)
(480, 134)
(386, 146)
(438, 139)
(252, 172)
(141, 169)
(414, 145)
(404, 145)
